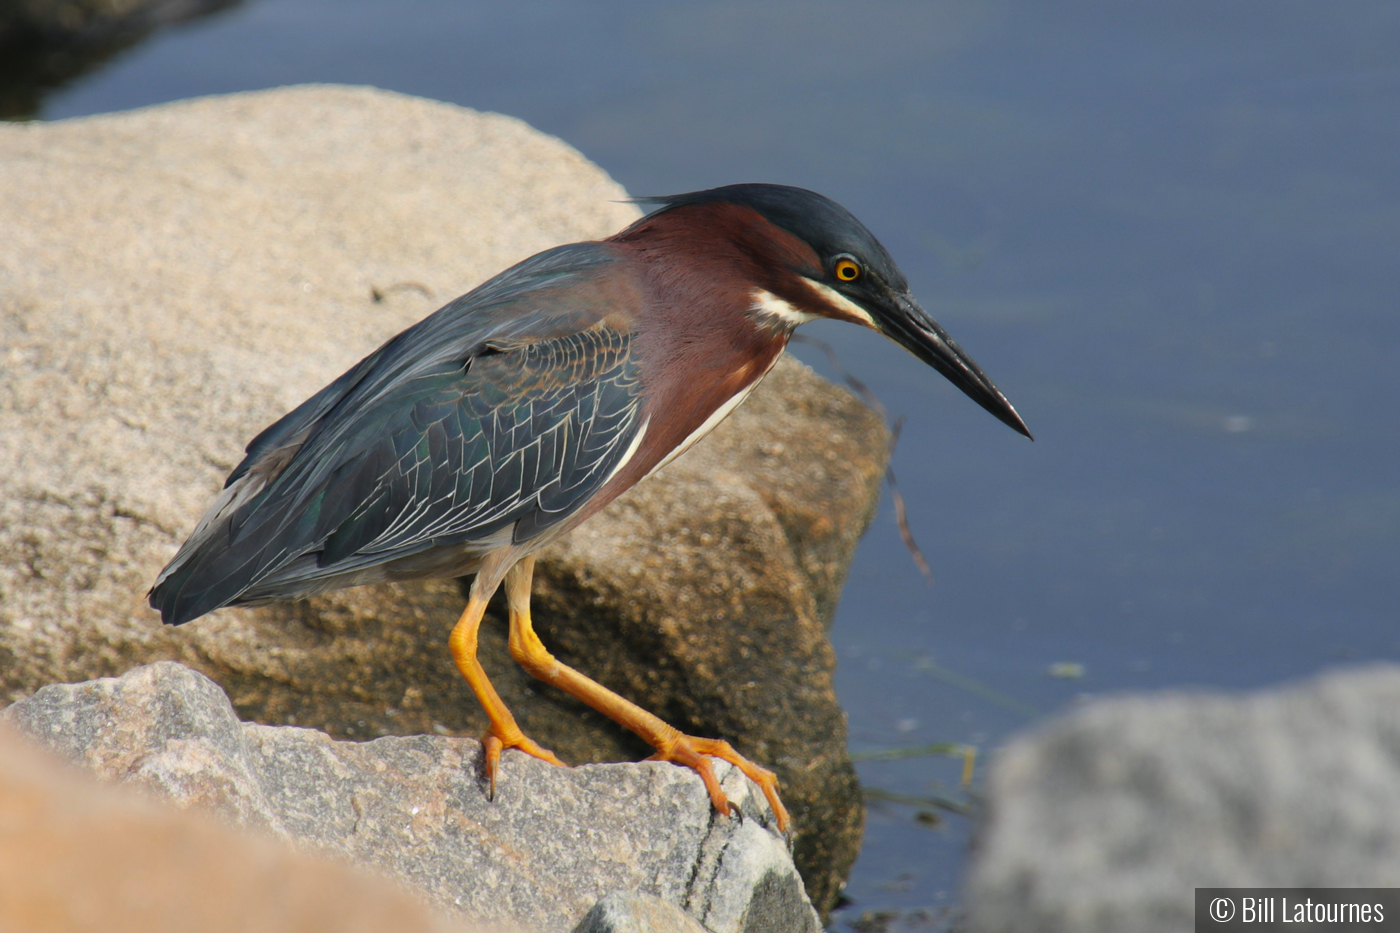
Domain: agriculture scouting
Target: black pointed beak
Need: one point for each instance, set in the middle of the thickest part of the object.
(909, 325)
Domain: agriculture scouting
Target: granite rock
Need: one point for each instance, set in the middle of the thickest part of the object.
(1109, 818)
(79, 857)
(175, 278)
(620, 912)
(540, 855)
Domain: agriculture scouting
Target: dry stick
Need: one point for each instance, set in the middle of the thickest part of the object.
(920, 800)
(901, 518)
(968, 754)
(901, 515)
(379, 294)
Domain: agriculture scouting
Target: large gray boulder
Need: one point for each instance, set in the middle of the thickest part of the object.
(1108, 819)
(552, 843)
(636, 913)
(175, 278)
(80, 857)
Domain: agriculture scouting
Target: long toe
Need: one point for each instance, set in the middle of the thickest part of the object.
(694, 753)
(494, 744)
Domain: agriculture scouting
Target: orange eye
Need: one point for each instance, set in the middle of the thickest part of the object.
(847, 270)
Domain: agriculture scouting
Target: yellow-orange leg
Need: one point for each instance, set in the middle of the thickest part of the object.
(503, 733)
(670, 744)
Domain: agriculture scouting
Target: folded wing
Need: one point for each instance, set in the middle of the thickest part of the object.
(487, 423)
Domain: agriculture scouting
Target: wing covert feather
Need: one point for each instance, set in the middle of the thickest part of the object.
(506, 408)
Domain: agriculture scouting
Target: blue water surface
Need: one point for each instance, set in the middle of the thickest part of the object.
(1169, 232)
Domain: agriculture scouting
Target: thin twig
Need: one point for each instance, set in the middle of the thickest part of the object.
(975, 687)
(911, 800)
(856, 385)
(968, 754)
(901, 514)
(379, 294)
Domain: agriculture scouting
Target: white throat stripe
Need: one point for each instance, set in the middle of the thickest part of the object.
(841, 301)
(769, 305)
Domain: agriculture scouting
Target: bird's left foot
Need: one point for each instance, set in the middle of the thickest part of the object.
(695, 753)
(494, 743)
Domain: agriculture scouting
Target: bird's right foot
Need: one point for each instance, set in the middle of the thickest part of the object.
(495, 742)
(694, 753)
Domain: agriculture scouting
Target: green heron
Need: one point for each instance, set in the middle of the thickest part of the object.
(498, 423)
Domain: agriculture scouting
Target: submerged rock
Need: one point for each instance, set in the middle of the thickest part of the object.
(176, 278)
(540, 855)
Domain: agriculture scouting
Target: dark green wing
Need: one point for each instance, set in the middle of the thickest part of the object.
(486, 423)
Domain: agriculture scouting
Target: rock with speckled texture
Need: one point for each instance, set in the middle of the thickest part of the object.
(80, 857)
(620, 912)
(540, 855)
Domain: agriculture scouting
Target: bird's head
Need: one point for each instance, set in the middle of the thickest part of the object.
(809, 257)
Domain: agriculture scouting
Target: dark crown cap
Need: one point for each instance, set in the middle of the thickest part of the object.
(816, 219)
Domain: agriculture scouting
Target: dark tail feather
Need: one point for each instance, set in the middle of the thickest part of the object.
(172, 599)
(215, 575)
(195, 590)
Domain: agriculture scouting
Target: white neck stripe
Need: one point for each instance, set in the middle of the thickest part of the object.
(775, 310)
(841, 301)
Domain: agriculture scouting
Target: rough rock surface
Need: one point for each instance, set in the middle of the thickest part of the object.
(540, 855)
(174, 279)
(620, 912)
(1110, 818)
(77, 857)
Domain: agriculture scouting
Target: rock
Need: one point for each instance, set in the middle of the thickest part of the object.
(178, 277)
(636, 913)
(85, 17)
(80, 857)
(540, 855)
(46, 43)
(1108, 819)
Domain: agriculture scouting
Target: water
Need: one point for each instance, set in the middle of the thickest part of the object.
(1169, 232)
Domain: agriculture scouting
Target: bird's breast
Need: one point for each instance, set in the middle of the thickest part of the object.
(710, 423)
(689, 400)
